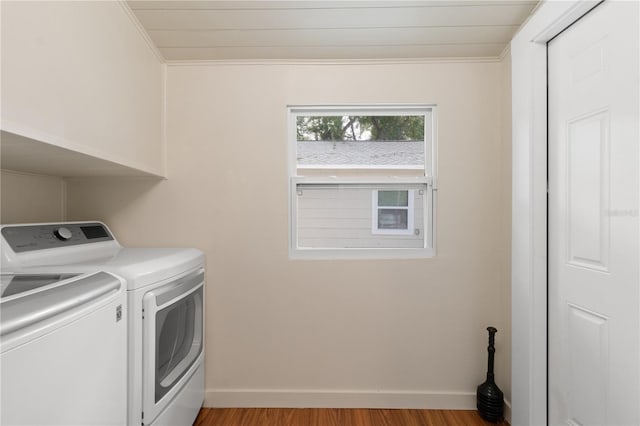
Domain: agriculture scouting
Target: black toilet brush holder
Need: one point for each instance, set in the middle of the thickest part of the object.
(490, 399)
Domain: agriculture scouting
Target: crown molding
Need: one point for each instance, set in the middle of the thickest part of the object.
(505, 52)
(320, 62)
(143, 33)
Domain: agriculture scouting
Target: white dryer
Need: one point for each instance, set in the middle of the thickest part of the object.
(165, 301)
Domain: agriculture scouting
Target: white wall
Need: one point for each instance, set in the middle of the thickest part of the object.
(334, 333)
(31, 198)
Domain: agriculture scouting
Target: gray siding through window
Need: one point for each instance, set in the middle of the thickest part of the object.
(342, 218)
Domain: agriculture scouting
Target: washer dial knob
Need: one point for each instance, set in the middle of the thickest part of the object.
(63, 234)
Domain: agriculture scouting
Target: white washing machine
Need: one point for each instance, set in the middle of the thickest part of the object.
(63, 349)
(165, 302)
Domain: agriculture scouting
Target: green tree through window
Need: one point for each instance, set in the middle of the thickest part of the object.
(360, 128)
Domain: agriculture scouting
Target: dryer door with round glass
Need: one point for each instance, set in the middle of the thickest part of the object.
(173, 339)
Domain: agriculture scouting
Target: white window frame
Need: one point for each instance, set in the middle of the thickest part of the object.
(427, 181)
(375, 209)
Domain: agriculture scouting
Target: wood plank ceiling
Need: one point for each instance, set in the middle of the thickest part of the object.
(330, 30)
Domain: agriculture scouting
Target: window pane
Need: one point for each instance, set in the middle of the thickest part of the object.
(361, 179)
(393, 198)
(346, 216)
(393, 218)
(353, 141)
(360, 128)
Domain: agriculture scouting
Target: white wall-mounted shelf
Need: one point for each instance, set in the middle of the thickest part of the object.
(82, 91)
(24, 154)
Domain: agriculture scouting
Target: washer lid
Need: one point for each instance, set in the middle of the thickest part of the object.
(12, 284)
(33, 308)
(138, 266)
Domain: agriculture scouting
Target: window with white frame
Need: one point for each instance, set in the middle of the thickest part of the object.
(362, 181)
(393, 212)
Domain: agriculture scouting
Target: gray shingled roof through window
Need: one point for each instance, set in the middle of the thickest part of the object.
(361, 153)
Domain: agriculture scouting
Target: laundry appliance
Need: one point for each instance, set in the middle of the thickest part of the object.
(62, 349)
(165, 296)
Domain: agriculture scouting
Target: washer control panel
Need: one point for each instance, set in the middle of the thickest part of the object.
(22, 238)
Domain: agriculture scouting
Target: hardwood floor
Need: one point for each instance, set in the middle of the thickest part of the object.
(338, 417)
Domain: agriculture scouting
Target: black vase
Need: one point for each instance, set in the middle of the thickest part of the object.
(490, 399)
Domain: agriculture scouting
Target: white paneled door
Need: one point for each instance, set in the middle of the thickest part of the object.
(594, 297)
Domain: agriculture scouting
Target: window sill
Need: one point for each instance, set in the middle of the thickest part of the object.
(361, 253)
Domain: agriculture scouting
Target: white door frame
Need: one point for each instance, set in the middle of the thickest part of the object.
(529, 207)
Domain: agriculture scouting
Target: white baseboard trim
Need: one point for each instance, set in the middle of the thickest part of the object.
(338, 399)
